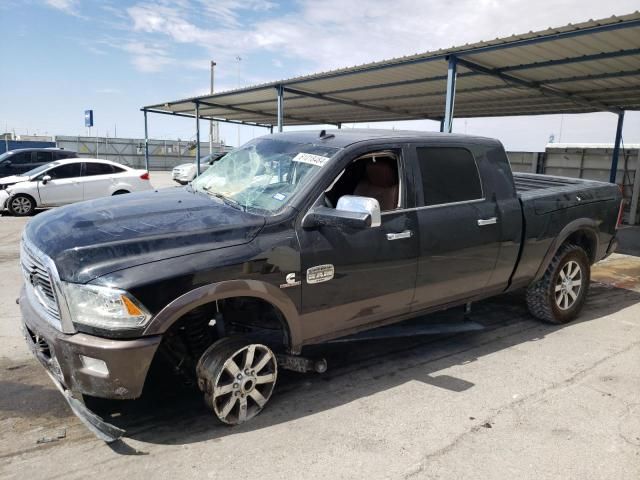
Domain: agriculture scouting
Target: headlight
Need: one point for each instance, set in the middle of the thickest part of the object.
(104, 307)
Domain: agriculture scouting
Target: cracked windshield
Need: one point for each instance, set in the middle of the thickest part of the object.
(264, 174)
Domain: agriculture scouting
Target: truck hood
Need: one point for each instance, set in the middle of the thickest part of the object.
(90, 239)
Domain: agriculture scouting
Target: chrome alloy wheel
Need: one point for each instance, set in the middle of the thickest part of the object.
(244, 384)
(568, 285)
(21, 205)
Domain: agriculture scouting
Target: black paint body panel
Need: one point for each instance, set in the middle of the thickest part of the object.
(162, 245)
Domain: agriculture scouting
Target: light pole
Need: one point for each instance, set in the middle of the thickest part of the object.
(213, 126)
(238, 60)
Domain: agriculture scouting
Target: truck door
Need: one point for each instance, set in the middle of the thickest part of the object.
(459, 226)
(352, 277)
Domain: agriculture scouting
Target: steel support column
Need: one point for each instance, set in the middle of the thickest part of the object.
(197, 138)
(447, 123)
(616, 148)
(146, 142)
(280, 91)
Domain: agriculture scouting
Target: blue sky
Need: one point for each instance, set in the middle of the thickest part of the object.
(61, 57)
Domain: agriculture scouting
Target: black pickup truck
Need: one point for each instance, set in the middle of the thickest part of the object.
(296, 239)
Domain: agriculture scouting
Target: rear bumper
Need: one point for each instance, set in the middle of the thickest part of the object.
(127, 361)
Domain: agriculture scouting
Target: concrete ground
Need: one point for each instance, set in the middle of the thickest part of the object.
(518, 399)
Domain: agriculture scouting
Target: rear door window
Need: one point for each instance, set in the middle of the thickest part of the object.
(92, 169)
(62, 155)
(449, 175)
(43, 157)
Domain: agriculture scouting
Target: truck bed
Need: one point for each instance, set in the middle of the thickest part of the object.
(549, 193)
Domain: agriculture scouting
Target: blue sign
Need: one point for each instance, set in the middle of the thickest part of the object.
(88, 118)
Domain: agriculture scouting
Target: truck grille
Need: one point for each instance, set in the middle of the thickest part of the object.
(38, 280)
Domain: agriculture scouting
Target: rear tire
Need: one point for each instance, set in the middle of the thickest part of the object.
(237, 378)
(560, 294)
(21, 205)
(120, 192)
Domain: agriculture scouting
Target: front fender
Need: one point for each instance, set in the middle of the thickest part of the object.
(228, 289)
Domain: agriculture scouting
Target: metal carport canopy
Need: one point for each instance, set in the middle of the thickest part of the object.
(586, 67)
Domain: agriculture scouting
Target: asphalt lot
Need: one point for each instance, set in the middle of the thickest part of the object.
(517, 399)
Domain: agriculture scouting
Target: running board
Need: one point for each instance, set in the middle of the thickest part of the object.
(401, 331)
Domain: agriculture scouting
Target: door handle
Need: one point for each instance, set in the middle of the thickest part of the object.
(399, 235)
(487, 221)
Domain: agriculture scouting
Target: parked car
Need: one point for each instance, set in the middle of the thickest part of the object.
(230, 277)
(186, 172)
(68, 181)
(15, 162)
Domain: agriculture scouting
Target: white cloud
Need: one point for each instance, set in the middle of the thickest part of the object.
(70, 7)
(147, 58)
(109, 91)
(335, 33)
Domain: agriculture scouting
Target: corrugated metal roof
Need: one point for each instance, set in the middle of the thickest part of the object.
(587, 67)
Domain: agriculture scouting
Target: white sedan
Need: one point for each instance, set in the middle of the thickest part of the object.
(68, 181)
(186, 172)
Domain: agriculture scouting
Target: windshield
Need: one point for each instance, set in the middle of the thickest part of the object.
(39, 169)
(5, 155)
(263, 174)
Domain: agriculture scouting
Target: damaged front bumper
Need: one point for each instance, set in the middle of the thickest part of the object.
(70, 360)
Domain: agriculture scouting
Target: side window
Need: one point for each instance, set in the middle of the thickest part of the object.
(69, 170)
(449, 175)
(117, 169)
(97, 169)
(375, 175)
(62, 155)
(44, 157)
(20, 158)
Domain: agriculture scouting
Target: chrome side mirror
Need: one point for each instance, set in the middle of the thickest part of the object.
(352, 211)
(357, 204)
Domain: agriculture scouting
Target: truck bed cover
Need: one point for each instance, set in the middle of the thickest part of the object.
(549, 193)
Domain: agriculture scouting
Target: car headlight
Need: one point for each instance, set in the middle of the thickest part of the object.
(104, 307)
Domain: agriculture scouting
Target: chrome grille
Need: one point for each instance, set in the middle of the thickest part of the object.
(38, 280)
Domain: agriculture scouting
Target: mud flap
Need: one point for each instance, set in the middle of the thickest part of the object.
(101, 429)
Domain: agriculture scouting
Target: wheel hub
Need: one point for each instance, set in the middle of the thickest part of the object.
(245, 384)
(568, 285)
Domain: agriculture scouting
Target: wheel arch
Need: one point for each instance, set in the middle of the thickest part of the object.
(182, 305)
(582, 232)
(35, 198)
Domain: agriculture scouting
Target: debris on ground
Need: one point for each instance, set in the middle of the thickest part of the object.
(58, 436)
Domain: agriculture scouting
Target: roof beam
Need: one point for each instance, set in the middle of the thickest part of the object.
(342, 101)
(261, 112)
(185, 115)
(544, 89)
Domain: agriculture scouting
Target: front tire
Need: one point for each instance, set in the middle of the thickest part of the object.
(237, 378)
(21, 205)
(560, 294)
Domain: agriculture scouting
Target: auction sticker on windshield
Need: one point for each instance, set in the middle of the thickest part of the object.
(311, 159)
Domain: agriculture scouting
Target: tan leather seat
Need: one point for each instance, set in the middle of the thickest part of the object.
(381, 183)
